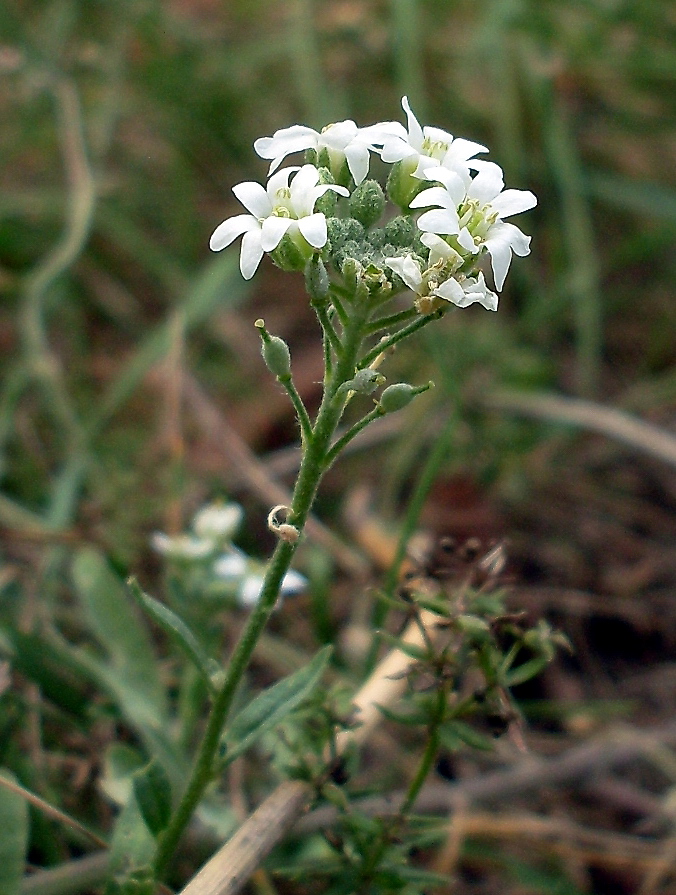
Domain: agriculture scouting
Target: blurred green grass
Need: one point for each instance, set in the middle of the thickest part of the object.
(125, 126)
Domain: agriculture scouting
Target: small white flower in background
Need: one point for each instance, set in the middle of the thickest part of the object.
(217, 521)
(343, 141)
(211, 551)
(181, 547)
(246, 576)
(275, 210)
(477, 217)
(427, 147)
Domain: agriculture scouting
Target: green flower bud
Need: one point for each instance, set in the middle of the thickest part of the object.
(327, 203)
(397, 396)
(275, 352)
(343, 230)
(367, 203)
(400, 231)
(316, 279)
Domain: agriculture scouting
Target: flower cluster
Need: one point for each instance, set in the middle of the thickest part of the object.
(224, 570)
(452, 210)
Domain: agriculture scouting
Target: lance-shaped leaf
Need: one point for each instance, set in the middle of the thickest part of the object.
(178, 630)
(271, 706)
(152, 789)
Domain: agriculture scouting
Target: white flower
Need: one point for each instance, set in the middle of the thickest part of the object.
(467, 290)
(217, 521)
(275, 210)
(476, 218)
(343, 141)
(236, 567)
(443, 261)
(184, 547)
(426, 147)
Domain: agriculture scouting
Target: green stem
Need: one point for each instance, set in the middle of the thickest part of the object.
(351, 433)
(327, 327)
(383, 323)
(429, 755)
(310, 474)
(403, 333)
(298, 406)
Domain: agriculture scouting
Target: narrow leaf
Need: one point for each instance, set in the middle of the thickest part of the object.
(13, 837)
(178, 630)
(274, 704)
(152, 789)
(118, 629)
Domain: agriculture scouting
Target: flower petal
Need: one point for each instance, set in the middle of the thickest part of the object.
(439, 220)
(273, 230)
(254, 198)
(415, 132)
(230, 229)
(287, 140)
(313, 229)
(435, 195)
(251, 253)
(408, 270)
(358, 158)
(461, 150)
(513, 202)
(451, 290)
(487, 183)
(501, 257)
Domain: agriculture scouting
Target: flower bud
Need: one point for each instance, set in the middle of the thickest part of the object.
(316, 280)
(400, 232)
(397, 396)
(366, 382)
(367, 203)
(275, 352)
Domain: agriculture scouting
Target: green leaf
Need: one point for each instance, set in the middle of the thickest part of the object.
(131, 851)
(177, 629)
(13, 836)
(273, 704)
(419, 653)
(152, 789)
(454, 734)
(110, 616)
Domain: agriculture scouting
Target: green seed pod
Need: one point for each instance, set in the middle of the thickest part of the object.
(275, 352)
(397, 396)
(367, 203)
(316, 279)
(277, 356)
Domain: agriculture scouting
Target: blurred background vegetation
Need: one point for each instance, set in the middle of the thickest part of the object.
(131, 386)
